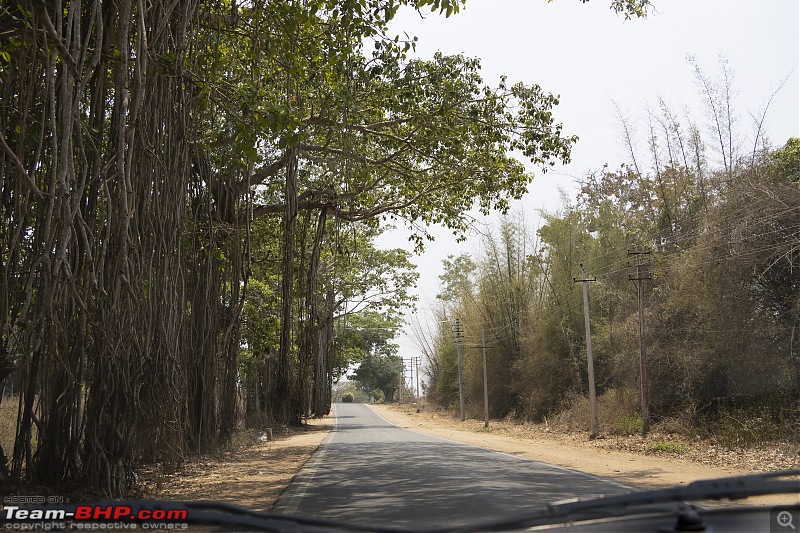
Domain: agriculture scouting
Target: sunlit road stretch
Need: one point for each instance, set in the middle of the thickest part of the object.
(368, 471)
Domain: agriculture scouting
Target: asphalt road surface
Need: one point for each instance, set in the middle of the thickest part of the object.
(368, 471)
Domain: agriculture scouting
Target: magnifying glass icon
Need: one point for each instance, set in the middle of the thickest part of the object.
(785, 519)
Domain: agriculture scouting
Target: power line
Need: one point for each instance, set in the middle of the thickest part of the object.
(710, 232)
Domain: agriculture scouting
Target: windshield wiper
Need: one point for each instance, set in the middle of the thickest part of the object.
(729, 488)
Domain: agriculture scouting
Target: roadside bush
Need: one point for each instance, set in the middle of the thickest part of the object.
(612, 406)
(748, 425)
(629, 425)
(667, 447)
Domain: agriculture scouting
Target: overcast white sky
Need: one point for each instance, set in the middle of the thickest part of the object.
(590, 56)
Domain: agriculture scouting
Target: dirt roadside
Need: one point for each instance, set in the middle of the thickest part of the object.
(250, 475)
(593, 457)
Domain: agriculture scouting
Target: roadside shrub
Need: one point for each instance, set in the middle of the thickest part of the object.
(629, 424)
(749, 426)
(736, 427)
(667, 447)
(613, 405)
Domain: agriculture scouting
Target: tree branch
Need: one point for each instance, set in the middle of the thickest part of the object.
(41, 10)
(262, 174)
(21, 169)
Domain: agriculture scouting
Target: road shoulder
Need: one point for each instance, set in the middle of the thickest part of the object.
(253, 476)
(645, 471)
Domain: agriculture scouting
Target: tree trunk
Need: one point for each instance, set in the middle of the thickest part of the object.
(284, 408)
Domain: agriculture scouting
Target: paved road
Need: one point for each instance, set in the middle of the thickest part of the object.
(369, 471)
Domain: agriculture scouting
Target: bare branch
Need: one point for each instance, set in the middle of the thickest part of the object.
(760, 121)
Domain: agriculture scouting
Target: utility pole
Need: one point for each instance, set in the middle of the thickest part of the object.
(485, 383)
(642, 355)
(589, 359)
(458, 332)
(411, 374)
(418, 362)
(413, 363)
(402, 378)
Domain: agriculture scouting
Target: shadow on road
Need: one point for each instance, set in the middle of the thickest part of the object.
(425, 483)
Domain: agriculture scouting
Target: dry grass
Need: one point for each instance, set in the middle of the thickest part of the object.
(614, 412)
